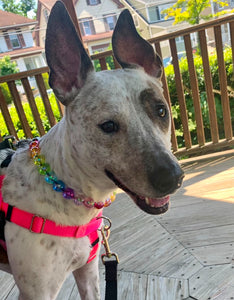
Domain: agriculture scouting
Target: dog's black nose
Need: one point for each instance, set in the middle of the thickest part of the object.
(167, 175)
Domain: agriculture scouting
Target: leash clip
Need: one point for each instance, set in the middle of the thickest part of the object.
(105, 231)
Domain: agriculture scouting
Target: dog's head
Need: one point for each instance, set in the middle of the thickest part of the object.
(117, 122)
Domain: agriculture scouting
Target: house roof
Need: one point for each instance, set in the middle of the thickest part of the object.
(49, 3)
(96, 37)
(156, 2)
(22, 52)
(9, 20)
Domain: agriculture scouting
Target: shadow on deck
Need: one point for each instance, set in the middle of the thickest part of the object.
(188, 253)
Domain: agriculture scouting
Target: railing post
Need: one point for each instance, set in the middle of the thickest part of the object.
(209, 87)
(180, 95)
(223, 84)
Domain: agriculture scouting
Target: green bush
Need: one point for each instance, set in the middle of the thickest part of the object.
(29, 116)
(169, 71)
(6, 92)
(109, 62)
(45, 77)
(7, 66)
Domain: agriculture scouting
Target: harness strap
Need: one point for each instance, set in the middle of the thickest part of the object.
(38, 224)
(94, 244)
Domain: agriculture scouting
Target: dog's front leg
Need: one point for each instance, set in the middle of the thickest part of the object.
(87, 279)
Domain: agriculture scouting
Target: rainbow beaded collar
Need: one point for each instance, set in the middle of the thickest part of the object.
(58, 185)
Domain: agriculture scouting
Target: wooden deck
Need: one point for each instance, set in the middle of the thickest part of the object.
(187, 253)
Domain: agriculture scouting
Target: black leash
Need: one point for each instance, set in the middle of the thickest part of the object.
(110, 265)
(111, 279)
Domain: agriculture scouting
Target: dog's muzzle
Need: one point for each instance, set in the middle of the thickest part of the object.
(165, 184)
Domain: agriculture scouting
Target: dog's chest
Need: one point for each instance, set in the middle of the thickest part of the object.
(65, 254)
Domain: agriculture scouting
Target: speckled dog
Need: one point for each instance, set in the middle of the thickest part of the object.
(115, 133)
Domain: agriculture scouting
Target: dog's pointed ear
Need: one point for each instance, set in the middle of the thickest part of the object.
(67, 59)
(131, 49)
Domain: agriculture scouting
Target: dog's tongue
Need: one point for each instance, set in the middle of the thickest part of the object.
(158, 202)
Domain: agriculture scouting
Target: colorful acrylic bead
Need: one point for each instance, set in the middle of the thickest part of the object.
(49, 180)
(59, 186)
(88, 202)
(107, 202)
(35, 151)
(69, 193)
(78, 201)
(44, 169)
(33, 144)
(39, 160)
(51, 177)
(112, 197)
(99, 205)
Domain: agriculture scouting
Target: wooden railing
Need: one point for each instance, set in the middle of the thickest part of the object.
(202, 145)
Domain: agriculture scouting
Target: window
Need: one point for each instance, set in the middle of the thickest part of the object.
(14, 41)
(155, 12)
(110, 21)
(87, 27)
(93, 2)
(30, 63)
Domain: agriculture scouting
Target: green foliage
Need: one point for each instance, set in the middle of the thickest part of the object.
(109, 62)
(203, 96)
(192, 11)
(45, 77)
(7, 66)
(20, 8)
(6, 92)
(29, 116)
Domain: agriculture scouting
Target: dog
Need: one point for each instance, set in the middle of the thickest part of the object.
(115, 134)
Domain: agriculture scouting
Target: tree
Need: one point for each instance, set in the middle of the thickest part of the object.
(11, 6)
(191, 11)
(26, 6)
(22, 8)
(7, 66)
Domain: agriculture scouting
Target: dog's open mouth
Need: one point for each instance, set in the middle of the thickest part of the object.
(154, 206)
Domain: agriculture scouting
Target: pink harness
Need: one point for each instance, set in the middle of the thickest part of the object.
(37, 224)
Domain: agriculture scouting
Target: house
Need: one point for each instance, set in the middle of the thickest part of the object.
(17, 42)
(150, 21)
(96, 18)
(148, 16)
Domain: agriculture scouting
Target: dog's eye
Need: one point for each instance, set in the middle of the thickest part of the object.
(109, 127)
(162, 111)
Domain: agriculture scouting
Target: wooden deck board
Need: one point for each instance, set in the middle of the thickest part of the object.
(6, 284)
(211, 281)
(161, 288)
(187, 253)
(216, 254)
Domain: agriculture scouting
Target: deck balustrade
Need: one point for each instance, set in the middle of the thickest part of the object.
(203, 144)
